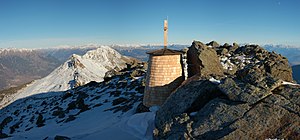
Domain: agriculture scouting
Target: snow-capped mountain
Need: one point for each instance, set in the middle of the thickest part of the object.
(93, 111)
(76, 71)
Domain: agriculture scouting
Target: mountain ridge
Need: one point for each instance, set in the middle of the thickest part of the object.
(76, 71)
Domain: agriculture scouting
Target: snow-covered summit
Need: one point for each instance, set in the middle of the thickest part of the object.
(77, 70)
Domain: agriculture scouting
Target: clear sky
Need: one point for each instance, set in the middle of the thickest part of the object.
(46, 23)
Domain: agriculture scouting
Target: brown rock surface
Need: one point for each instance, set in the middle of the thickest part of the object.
(203, 60)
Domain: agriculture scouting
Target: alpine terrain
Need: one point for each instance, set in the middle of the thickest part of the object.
(102, 110)
(232, 92)
(77, 70)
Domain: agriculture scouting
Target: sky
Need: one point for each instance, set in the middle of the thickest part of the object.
(50, 23)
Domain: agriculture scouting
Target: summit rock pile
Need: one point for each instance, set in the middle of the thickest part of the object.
(255, 98)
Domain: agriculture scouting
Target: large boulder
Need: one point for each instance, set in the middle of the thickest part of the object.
(203, 60)
(183, 102)
(278, 67)
(248, 115)
(253, 100)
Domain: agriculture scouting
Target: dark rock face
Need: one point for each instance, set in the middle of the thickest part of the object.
(251, 103)
(203, 60)
(58, 137)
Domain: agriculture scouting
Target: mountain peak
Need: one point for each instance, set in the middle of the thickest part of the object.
(75, 62)
(77, 70)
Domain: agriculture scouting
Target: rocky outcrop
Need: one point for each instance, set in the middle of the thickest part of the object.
(231, 113)
(254, 102)
(203, 60)
(213, 44)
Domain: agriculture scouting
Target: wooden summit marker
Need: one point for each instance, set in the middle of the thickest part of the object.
(165, 34)
(164, 73)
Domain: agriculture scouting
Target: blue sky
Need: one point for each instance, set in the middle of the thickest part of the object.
(47, 23)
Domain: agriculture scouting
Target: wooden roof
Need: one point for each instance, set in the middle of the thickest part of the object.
(165, 52)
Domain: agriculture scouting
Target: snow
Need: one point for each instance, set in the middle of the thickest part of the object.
(193, 113)
(154, 108)
(289, 83)
(78, 69)
(92, 124)
(98, 122)
(215, 81)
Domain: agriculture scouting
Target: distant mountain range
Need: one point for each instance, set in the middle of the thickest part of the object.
(19, 66)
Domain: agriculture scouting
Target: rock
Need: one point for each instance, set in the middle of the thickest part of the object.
(137, 73)
(3, 135)
(205, 127)
(213, 44)
(268, 117)
(78, 104)
(249, 103)
(66, 95)
(5, 122)
(258, 59)
(58, 137)
(142, 108)
(119, 101)
(203, 60)
(271, 117)
(109, 74)
(233, 47)
(279, 67)
(196, 99)
(226, 45)
(91, 84)
(81, 105)
(59, 112)
(222, 51)
(40, 121)
(251, 93)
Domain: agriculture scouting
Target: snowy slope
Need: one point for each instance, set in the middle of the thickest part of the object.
(92, 111)
(78, 70)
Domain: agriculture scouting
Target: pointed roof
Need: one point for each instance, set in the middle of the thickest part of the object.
(165, 51)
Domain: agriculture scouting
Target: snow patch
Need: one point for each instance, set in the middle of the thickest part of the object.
(215, 81)
(289, 83)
